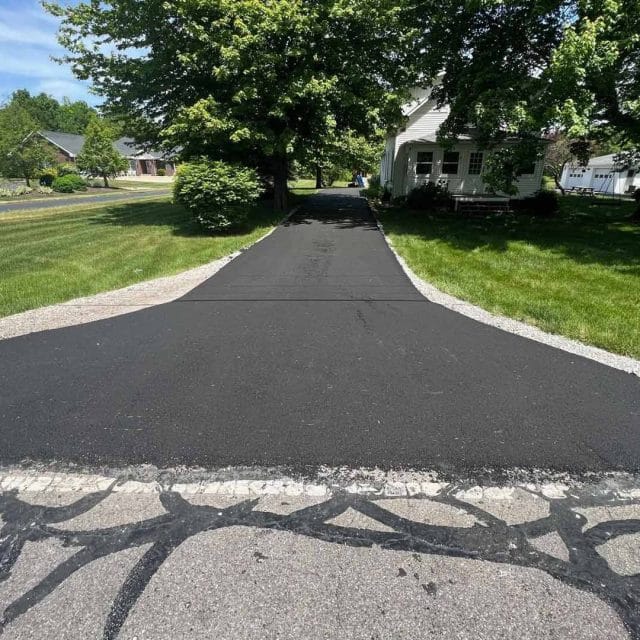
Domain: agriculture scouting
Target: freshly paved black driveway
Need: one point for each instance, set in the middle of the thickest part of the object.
(311, 348)
(48, 203)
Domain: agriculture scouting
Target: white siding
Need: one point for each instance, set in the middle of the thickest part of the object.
(600, 177)
(461, 182)
(424, 123)
(399, 162)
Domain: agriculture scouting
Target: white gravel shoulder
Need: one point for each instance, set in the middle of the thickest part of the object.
(112, 303)
(431, 293)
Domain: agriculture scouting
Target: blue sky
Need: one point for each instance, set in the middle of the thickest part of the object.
(27, 41)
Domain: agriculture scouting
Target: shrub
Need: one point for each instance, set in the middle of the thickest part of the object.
(429, 197)
(44, 189)
(68, 169)
(636, 195)
(47, 176)
(15, 191)
(218, 194)
(543, 203)
(69, 183)
(161, 172)
(374, 190)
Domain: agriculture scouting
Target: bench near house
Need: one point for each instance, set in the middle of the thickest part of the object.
(68, 145)
(413, 157)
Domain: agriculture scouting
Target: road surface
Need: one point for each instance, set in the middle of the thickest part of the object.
(49, 203)
(312, 348)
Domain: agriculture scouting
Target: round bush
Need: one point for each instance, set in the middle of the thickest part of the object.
(161, 172)
(429, 197)
(67, 169)
(69, 184)
(543, 204)
(217, 194)
(47, 176)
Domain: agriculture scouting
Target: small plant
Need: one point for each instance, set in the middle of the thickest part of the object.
(374, 190)
(43, 189)
(15, 191)
(544, 203)
(67, 169)
(47, 176)
(69, 184)
(429, 197)
(161, 172)
(218, 194)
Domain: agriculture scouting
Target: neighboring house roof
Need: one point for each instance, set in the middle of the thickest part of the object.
(602, 161)
(72, 143)
(607, 161)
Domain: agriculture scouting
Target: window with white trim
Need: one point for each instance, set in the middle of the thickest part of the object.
(475, 163)
(424, 163)
(450, 162)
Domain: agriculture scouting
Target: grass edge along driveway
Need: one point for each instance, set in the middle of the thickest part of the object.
(58, 254)
(576, 275)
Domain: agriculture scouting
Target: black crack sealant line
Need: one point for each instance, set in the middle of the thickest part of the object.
(489, 539)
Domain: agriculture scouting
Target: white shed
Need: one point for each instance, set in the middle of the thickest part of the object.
(412, 156)
(602, 175)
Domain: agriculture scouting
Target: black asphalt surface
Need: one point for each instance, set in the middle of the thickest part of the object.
(312, 348)
(29, 205)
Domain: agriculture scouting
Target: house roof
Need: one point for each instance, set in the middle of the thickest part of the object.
(602, 161)
(72, 143)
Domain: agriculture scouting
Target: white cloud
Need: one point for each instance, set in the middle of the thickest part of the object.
(33, 63)
(29, 26)
(72, 89)
(28, 41)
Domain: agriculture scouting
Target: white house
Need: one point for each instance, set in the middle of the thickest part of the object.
(602, 175)
(413, 157)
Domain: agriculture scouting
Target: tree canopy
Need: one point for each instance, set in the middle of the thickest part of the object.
(48, 113)
(244, 79)
(98, 157)
(520, 68)
(21, 153)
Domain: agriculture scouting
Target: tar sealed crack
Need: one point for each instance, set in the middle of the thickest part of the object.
(496, 542)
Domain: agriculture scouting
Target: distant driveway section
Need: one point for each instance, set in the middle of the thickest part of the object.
(50, 203)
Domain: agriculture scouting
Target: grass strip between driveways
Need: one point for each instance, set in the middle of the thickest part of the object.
(576, 275)
(54, 255)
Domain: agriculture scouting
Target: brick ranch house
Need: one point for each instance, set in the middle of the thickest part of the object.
(68, 145)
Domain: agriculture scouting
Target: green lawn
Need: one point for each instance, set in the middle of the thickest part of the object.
(135, 184)
(58, 254)
(576, 275)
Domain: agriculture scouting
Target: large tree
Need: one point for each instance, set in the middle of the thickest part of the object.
(250, 80)
(515, 69)
(22, 153)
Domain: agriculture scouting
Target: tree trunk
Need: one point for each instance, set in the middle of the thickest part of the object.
(318, 177)
(106, 181)
(28, 180)
(557, 181)
(280, 176)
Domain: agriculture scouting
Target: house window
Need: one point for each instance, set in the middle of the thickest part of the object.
(631, 173)
(424, 164)
(450, 162)
(475, 163)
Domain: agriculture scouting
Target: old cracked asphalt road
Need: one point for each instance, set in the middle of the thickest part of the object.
(311, 348)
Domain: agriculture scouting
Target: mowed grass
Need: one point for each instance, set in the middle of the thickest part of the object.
(577, 275)
(58, 254)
